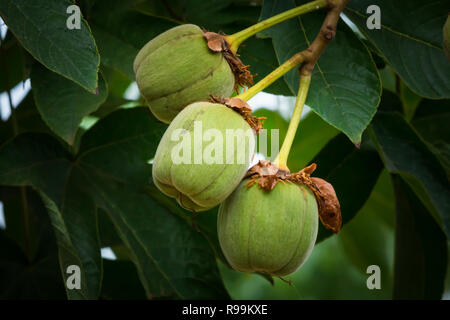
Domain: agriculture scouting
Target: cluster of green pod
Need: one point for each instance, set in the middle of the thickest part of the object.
(259, 231)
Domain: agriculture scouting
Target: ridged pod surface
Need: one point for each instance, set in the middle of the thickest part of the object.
(177, 68)
(201, 186)
(271, 232)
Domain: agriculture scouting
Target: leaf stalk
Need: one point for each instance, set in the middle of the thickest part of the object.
(281, 159)
(237, 38)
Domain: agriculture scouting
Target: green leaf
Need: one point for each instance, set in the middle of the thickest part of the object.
(388, 79)
(410, 39)
(345, 86)
(126, 136)
(115, 53)
(205, 223)
(313, 134)
(369, 238)
(107, 232)
(62, 103)
(118, 82)
(28, 160)
(431, 122)
(42, 30)
(405, 153)
(420, 248)
(153, 245)
(111, 171)
(29, 280)
(260, 56)
(352, 172)
(410, 101)
(173, 260)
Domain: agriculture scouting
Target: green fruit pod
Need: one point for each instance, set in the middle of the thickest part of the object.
(203, 155)
(270, 232)
(177, 68)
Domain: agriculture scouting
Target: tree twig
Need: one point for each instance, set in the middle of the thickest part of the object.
(326, 34)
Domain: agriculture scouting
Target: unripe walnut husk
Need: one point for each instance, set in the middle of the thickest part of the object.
(202, 186)
(269, 223)
(271, 232)
(178, 68)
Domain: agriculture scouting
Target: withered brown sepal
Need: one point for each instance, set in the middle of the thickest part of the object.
(267, 175)
(244, 109)
(218, 43)
(330, 211)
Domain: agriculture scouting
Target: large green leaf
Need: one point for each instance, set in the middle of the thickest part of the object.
(406, 154)
(42, 30)
(352, 172)
(345, 86)
(39, 161)
(62, 103)
(410, 39)
(172, 259)
(111, 171)
(153, 245)
(115, 53)
(420, 248)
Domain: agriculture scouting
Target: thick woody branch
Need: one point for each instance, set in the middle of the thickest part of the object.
(326, 34)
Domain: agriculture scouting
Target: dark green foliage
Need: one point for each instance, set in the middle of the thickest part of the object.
(75, 154)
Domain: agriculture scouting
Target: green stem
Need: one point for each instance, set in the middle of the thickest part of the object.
(237, 38)
(293, 62)
(281, 160)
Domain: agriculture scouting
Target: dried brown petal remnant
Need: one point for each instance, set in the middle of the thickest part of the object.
(215, 41)
(242, 107)
(218, 43)
(267, 175)
(330, 209)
